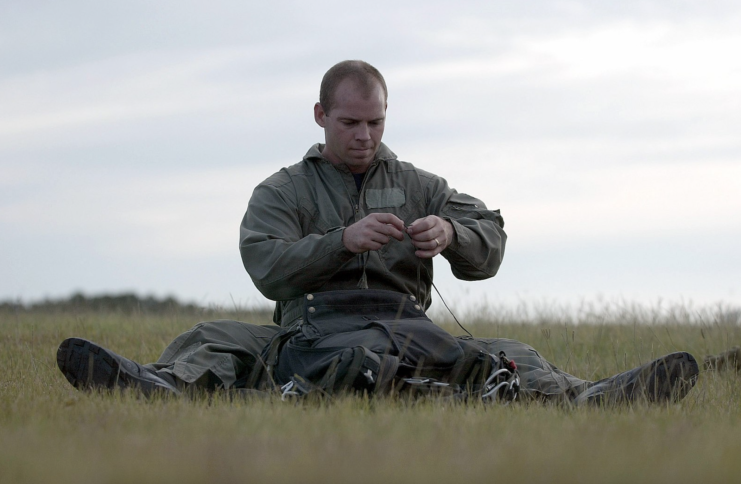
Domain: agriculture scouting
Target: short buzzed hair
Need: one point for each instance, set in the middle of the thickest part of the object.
(361, 72)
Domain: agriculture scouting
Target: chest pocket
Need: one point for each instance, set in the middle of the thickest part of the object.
(385, 198)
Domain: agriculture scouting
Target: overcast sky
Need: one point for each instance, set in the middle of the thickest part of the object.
(608, 133)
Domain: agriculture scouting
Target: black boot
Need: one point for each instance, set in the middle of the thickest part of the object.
(666, 379)
(89, 366)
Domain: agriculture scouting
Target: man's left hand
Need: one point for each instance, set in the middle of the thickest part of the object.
(430, 235)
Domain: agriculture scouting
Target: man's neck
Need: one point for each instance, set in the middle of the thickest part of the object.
(359, 179)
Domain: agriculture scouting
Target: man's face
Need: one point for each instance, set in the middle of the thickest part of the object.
(354, 127)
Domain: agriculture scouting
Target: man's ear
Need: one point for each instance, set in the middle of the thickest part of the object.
(319, 114)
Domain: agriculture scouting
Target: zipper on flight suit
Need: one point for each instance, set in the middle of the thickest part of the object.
(373, 165)
(363, 258)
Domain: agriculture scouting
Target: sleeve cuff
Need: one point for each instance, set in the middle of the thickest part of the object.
(460, 236)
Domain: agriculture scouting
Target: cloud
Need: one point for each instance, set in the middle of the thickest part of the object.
(173, 216)
(138, 86)
(592, 126)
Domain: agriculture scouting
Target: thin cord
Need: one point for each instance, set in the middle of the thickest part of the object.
(419, 285)
(420, 265)
(449, 310)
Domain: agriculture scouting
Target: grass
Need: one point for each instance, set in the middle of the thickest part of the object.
(50, 432)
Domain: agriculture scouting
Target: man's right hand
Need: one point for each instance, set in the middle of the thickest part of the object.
(373, 232)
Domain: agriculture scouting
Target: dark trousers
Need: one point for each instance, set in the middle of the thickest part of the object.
(220, 354)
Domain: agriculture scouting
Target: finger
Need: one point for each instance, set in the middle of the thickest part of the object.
(380, 235)
(414, 227)
(428, 236)
(373, 240)
(380, 238)
(390, 219)
(386, 224)
(382, 231)
(426, 254)
(422, 225)
(430, 247)
(433, 245)
(394, 232)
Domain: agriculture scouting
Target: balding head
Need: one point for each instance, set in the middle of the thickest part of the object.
(364, 75)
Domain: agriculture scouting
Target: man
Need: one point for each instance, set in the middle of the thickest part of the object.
(339, 241)
(352, 215)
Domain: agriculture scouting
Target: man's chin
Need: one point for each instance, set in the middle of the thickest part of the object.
(362, 156)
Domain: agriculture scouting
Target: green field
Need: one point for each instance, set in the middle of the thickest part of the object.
(50, 432)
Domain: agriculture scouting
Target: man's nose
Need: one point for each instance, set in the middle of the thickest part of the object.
(362, 132)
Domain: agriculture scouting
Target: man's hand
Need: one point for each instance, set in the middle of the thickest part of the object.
(430, 235)
(373, 232)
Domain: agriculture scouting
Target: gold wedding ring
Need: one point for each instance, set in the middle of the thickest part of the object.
(437, 242)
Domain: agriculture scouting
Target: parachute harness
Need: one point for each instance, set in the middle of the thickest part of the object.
(504, 382)
(288, 392)
(502, 385)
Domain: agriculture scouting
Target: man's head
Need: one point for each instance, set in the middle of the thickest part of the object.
(365, 76)
(352, 111)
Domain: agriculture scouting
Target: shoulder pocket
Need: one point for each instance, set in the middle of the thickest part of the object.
(461, 205)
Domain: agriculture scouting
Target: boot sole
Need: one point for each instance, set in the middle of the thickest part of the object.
(671, 377)
(87, 365)
(667, 379)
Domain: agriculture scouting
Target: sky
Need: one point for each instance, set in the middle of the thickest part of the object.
(608, 133)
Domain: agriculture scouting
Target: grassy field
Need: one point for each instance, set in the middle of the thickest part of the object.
(50, 432)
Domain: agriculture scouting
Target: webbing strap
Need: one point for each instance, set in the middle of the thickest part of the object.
(355, 366)
(263, 372)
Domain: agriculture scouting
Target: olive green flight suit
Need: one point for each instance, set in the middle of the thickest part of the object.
(291, 245)
(291, 235)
